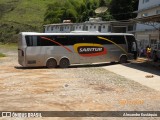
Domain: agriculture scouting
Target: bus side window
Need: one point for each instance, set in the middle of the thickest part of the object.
(75, 39)
(100, 41)
(31, 40)
(63, 40)
(118, 39)
(89, 39)
(34, 39)
(28, 41)
(47, 41)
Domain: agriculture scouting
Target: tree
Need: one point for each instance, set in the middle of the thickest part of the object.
(77, 11)
(59, 11)
(106, 15)
(123, 9)
(102, 3)
(69, 14)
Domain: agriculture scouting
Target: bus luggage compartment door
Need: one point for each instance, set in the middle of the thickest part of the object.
(34, 56)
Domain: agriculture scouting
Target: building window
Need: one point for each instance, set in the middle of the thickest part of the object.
(90, 27)
(52, 28)
(145, 1)
(153, 41)
(86, 27)
(130, 28)
(109, 28)
(144, 14)
(94, 27)
(61, 28)
(99, 28)
(104, 26)
(158, 12)
(79, 27)
(83, 27)
(47, 28)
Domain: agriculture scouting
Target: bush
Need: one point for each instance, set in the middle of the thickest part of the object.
(2, 55)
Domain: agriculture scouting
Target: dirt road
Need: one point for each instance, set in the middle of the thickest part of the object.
(78, 88)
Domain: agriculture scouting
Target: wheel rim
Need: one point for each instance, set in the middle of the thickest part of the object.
(51, 63)
(64, 63)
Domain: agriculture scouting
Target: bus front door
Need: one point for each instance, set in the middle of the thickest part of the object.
(132, 46)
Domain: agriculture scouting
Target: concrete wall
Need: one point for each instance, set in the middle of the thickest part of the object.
(150, 3)
(146, 34)
(149, 12)
(143, 27)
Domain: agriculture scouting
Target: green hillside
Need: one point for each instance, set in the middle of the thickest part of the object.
(25, 15)
(21, 15)
(30, 15)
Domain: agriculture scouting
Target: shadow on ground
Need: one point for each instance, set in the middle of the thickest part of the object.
(72, 66)
(139, 64)
(94, 65)
(145, 65)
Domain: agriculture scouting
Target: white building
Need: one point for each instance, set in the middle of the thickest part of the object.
(148, 33)
(94, 24)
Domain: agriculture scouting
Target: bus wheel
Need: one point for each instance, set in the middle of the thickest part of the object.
(64, 63)
(123, 59)
(51, 63)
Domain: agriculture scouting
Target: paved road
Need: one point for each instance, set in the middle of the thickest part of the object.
(144, 75)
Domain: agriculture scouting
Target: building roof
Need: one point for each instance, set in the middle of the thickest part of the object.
(153, 18)
(62, 24)
(74, 33)
(122, 22)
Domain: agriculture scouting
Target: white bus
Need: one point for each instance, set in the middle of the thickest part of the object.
(63, 49)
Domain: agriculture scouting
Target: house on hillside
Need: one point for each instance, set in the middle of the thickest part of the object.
(148, 30)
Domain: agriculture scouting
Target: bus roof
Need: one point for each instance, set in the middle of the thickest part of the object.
(74, 33)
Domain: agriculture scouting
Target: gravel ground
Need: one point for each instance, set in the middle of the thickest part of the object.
(78, 88)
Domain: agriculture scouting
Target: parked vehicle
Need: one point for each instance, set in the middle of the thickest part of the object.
(63, 49)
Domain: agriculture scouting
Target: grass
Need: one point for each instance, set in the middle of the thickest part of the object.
(29, 12)
(21, 16)
(2, 55)
(10, 46)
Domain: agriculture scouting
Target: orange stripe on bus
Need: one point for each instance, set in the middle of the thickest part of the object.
(57, 43)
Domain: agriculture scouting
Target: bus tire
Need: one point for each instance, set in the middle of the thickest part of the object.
(64, 63)
(51, 63)
(123, 59)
